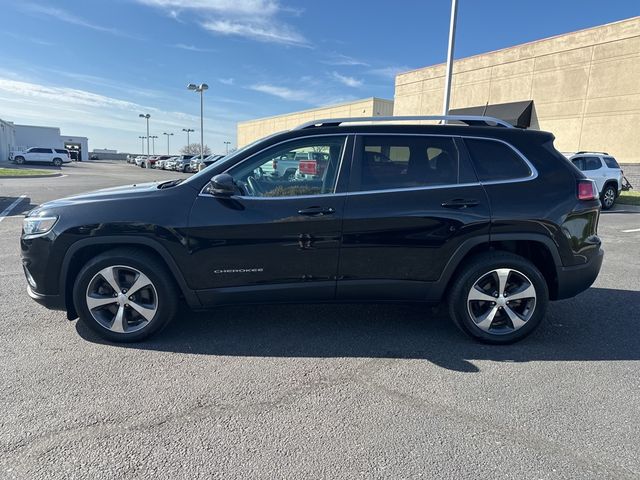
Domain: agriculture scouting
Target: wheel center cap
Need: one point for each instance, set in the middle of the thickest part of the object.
(122, 299)
(501, 301)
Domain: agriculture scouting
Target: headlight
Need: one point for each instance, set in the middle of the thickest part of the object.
(34, 227)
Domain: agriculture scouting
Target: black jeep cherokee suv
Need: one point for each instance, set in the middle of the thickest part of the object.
(490, 219)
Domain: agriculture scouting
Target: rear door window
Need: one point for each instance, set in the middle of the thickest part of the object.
(591, 163)
(496, 161)
(405, 161)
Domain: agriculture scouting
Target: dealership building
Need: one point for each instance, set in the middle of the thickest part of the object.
(21, 137)
(583, 86)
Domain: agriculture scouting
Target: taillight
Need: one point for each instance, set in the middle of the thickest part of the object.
(587, 190)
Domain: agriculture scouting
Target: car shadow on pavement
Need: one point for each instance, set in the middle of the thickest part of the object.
(20, 209)
(599, 324)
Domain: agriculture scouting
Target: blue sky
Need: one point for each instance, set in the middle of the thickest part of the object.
(91, 66)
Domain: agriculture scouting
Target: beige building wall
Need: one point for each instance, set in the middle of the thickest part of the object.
(252, 130)
(585, 86)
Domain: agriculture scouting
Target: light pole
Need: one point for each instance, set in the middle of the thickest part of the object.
(227, 145)
(147, 116)
(168, 135)
(153, 143)
(188, 130)
(449, 72)
(142, 137)
(200, 88)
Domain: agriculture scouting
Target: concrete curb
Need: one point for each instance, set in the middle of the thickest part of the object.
(31, 176)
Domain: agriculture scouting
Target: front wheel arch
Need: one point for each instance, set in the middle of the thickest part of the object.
(82, 251)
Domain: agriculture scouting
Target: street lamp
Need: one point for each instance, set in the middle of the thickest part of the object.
(188, 130)
(168, 135)
(200, 88)
(227, 145)
(449, 70)
(153, 144)
(142, 137)
(147, 116)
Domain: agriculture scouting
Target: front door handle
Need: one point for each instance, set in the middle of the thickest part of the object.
(460, 203)
(316, 211)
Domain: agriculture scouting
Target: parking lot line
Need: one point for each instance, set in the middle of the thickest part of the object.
(631, 231)
(6, 211)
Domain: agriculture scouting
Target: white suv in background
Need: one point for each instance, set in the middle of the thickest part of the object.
(605, 171)
(54, 156)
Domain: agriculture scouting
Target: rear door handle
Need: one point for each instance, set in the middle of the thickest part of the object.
(460, 203)
(316, 211)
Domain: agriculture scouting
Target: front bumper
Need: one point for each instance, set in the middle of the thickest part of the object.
(576, 279)
(52, 302)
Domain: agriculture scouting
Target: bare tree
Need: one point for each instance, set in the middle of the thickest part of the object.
(194, 149)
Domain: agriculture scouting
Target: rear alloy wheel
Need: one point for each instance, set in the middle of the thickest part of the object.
(499, 298)
(125, 295)
(608, 197)
(57, 162)
(19, 160)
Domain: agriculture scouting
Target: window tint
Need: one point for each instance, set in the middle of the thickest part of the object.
(496, 161)
(591, 163)
(303, 167)
(41, 150)
(59, 150)
(611, 162)
(388, 162)
(578, 162)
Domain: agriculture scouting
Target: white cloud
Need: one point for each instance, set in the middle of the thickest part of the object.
(344, 60)
(235, 7)
(64, 16)
(262, 32)
(348, 81)
(191, 48)
(283, 92)
(226, 81)
(389, 72)
(107, 121)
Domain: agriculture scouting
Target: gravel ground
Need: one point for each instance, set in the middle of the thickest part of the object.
(318, 391)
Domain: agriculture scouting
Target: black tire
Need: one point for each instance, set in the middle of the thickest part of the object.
(19, 160)
(608, 196)
(157, 273)
(479, 267)
(57, 162)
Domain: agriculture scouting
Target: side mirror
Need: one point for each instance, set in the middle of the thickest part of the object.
(222, 185)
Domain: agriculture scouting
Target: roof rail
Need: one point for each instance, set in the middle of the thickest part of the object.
(590, 151)
(467, 119)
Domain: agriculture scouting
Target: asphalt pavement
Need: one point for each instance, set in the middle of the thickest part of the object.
(318, 391)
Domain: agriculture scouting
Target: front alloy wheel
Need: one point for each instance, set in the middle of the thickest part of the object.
(125, 295)
(122, 299)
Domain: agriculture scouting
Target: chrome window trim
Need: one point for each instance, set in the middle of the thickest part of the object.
(344, 148)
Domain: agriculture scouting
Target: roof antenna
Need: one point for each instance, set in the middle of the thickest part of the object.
(484, 112)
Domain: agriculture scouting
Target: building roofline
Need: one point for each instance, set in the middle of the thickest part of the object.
(333, 105)
(531, 42)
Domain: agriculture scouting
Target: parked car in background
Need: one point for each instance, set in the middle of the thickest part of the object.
(485, 218)
(605, 171)
(181, 164)
(54, 156)
(284, 166)
(160, 164)
(152, 161)
(139, 160)
(95, 157)
(198, 164)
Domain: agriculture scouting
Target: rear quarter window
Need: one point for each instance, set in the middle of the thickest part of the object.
(611, 162)
(496, 161)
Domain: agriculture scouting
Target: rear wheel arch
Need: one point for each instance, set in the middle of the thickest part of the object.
(82, 251)
(537, 249)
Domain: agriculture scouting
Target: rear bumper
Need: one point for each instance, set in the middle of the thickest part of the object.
(573, 280)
